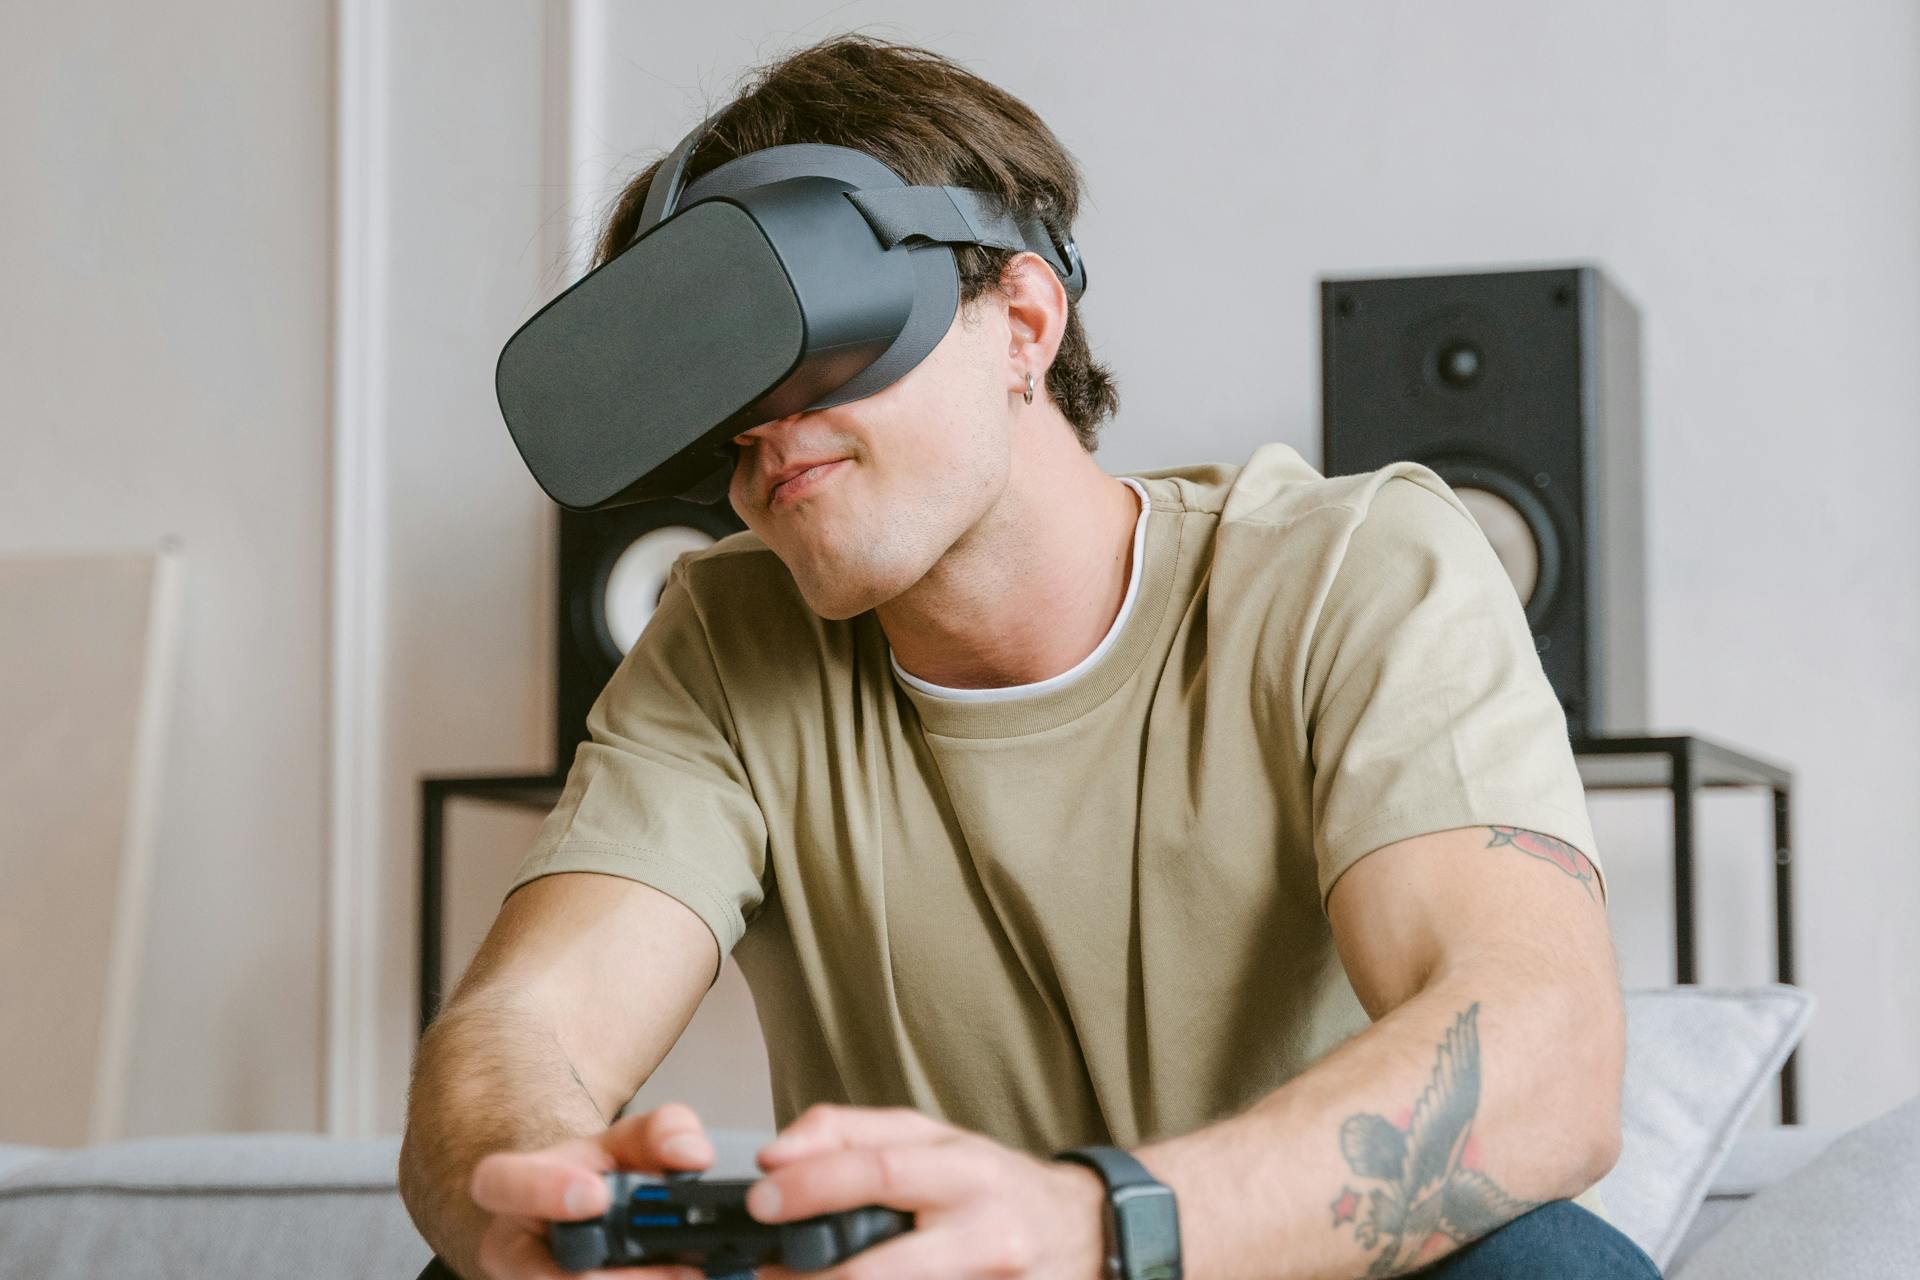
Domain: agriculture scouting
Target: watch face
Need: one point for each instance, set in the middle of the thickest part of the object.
(1148, 1232)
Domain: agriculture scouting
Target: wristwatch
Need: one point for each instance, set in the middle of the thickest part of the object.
(1142, 1221)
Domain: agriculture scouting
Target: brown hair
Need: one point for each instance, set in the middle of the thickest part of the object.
(932, 122)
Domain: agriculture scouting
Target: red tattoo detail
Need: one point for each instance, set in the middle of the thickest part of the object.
(1547, 849)
(1345, 1207)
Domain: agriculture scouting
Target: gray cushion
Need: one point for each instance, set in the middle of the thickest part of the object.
(1698, 1060)
(220, 1206)
(733, 1152)
(213, 1205)
(1853, 1211)
(12, 1157)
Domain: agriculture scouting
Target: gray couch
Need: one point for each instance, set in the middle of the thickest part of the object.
(1699, 1062)
(246, 1206)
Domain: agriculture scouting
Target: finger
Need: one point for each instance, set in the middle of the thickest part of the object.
(668, 1136)
(824, 1127)
(557, 1184)
(911, 1178)
(658, 1271)
(510, 1247)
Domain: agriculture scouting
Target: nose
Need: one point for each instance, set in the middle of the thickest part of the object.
(766, 428)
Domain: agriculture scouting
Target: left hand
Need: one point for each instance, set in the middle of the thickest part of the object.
(980, 1209)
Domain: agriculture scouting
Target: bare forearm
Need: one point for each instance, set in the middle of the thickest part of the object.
(488, 1076)
(1465, 1106)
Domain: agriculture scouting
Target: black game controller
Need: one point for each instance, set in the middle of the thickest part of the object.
(683, 1219)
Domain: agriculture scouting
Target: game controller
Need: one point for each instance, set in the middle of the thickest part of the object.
(684, 1219)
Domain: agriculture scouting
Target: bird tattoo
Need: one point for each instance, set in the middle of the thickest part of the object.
(1427, 1189)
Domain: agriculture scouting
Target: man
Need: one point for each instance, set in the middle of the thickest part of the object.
(1223, 815)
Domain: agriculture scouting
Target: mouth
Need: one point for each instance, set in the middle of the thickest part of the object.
(791, 490)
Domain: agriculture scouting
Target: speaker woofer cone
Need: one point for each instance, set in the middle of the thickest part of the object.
(1516, 523)
(613, 567)
(634, 580)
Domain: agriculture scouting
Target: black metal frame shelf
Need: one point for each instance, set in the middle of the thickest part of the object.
(527, 791)
(1683, 764)
(1679, 763)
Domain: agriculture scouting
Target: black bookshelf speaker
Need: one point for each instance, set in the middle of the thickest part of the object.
(1520, 389)
(613, 567)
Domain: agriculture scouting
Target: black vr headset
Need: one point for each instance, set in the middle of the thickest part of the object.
(786, 280)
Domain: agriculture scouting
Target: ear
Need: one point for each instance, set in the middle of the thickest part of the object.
(1036, 305)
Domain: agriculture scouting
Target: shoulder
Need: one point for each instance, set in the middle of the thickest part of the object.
(1405, 510)
(1278, 490)
(1278, 487)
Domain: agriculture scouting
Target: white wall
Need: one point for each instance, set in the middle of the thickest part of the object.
(1750, 173)
(164, 233)
(478, 229)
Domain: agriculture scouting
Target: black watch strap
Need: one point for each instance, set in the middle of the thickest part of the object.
(1142, 1220)
(1115, 1167)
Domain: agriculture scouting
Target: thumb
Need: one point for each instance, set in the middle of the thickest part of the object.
(559, 1183)
(669, 1137)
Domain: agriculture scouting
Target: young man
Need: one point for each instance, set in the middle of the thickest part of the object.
(1223, 815)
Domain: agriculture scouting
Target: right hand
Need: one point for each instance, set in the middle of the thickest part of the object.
(526, 1190)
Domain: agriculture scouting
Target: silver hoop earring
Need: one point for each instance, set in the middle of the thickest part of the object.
(1029, 395)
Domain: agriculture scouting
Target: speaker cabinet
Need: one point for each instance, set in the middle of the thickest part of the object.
(1521, 389)
(613, 567)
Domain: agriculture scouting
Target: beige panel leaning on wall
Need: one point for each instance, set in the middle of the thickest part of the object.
(86, 645)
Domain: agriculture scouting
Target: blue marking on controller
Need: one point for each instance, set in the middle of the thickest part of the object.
(652, 1193)
(654, 1220)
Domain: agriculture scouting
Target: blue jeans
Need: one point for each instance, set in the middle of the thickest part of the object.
(1558, 1241)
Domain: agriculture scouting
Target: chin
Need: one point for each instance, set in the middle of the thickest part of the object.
(839, 590)
(841, 598)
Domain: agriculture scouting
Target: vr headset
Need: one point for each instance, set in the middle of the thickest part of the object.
(786, 280)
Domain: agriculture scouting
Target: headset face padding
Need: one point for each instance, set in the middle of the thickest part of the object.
(786, 280)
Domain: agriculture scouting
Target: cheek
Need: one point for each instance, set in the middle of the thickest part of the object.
(739, 485)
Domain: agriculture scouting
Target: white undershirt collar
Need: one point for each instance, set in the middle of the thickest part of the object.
(1007, 693)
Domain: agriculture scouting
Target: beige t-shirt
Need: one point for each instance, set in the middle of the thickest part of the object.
(1095, 913)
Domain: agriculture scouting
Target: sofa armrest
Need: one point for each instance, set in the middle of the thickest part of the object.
(1759, 1158)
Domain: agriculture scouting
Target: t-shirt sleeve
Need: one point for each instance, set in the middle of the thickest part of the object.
(1427, 707)
(657, 793)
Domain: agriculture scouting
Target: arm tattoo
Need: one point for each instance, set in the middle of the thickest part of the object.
(1547, 849)
(1430, 1189)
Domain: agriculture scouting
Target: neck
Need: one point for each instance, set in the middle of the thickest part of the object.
(1034, 586)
